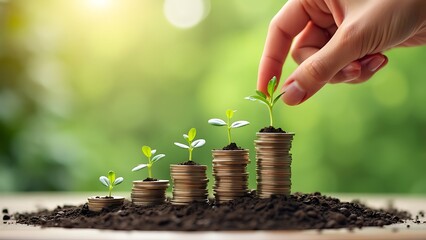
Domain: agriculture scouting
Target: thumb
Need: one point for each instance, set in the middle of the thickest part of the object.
(319, 68)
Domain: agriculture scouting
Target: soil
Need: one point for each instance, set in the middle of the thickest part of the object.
(271, 129)
(148, 179)
(232, 146)
(104, 197)
(189, 163)
(296, 212)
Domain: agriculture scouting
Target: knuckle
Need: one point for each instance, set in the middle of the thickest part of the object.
(317, 71)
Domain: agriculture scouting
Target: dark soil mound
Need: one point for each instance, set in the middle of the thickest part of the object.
(298, 211)
(271, 129)
(150, 179)
(232, 146)
(189, 163)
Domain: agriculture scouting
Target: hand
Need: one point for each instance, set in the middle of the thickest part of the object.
(337, 41)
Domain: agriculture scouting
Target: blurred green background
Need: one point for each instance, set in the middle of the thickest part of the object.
(85, 83)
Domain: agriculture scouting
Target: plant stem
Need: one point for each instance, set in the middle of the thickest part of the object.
(110, 190)
(229, 135)
(190, 153)
(270, 116)
(149, 171)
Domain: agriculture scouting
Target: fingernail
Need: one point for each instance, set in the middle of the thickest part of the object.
(351, 72)
(294, 94)
(374, 63)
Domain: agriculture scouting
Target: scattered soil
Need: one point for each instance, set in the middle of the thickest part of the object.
(232, 146)
(296, 212)
(5, 210)
(189, 163)
(271, 129)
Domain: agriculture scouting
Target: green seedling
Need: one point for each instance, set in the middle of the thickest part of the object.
(148, 152)
(269, 100)
(229, 114)
(192, 144)
(110, 181)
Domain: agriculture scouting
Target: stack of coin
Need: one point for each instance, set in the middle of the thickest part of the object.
(230, 174)
(97, 203)
(148, 193)
(189, 184)
(273, 163)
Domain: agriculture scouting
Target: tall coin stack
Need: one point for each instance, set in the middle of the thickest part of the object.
(148, 193)
(189, 184)
(230, 174)
(273, 163)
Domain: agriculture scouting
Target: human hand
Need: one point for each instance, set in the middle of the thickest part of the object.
(337, 41)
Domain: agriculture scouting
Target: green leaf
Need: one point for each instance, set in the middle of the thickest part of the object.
(104, 180)
(185, 136)
(111, 176)
(181, 145)
(158, 157)
(118, 181)
(217, 122)
(239, 124)
(261, 94)
(271, 86)
(230, 113)
(146, 150)
(277, 98)
(258, 98)
(139, 167)
(153, 151)
(198, 143)
(191, 134)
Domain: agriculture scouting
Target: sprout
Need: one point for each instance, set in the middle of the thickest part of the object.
(148, 152)
(267, 100)
(229, 115)
(191, 142)
(110, 181)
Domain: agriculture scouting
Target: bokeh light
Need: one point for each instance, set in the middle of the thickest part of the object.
(186, 13)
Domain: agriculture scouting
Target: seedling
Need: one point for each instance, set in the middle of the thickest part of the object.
(110, 181)
(192, 144)
(269, 100)
(229, 114)
(148, 152)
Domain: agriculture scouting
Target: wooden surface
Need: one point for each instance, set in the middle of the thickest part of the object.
(32, 201)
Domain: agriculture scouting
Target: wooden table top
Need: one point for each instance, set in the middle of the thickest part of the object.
(32, 201)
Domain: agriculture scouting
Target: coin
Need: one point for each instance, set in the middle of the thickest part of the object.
(273, 163)
(189, 183)
(229, 171)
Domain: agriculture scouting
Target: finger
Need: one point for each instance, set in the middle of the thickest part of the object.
(370, 64)
(313, 38)
(288, 22)
(308, 42)
(351, 72)
(321, 67)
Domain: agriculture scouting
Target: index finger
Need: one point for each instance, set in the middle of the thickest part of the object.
(284, 27)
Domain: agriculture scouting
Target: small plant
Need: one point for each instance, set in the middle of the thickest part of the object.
(148, 152)
(192, 144)
(267, 100)
(228, 124)
(110, 181)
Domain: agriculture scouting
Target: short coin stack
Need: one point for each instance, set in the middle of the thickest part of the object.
(230, 174)
(273, 163)
(189, 184)
(149, 192)
(97, 203)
